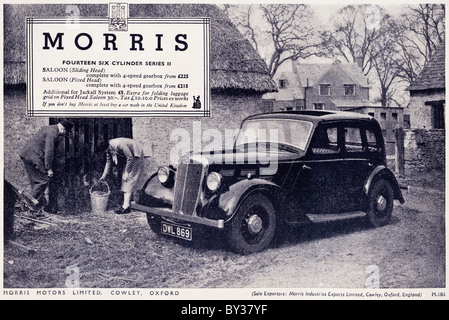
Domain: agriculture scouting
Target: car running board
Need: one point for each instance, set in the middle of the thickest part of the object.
(318, 218)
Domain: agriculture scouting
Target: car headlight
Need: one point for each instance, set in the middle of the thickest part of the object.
(213, 181)
(163, 174)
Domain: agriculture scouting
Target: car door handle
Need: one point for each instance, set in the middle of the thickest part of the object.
(306, 167)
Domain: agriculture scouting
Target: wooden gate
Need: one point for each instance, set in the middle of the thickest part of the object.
(80, 160)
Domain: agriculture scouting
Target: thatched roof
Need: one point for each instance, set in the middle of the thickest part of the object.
(433, 75)
(14, 48)
(234, 64)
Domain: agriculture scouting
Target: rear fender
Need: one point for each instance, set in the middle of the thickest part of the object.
(382, 172)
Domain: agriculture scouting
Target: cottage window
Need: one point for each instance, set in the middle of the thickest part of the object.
(319, 106)
(325, 90)
(406, 121)
(438, 116)
(394, 115)
(283, 84)
(437, 113)
(349, 89)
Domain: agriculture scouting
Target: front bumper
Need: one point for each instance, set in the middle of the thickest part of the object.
(168, 213)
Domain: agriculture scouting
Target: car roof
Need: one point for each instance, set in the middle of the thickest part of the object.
(312, 115)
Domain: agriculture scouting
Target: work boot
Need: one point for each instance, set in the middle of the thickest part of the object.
(50, 209)
(122, 210)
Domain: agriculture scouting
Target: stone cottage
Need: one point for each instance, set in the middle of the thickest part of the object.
(428, 93)
(320, 86)
(331, 86)
(238, 79)
(424, 143)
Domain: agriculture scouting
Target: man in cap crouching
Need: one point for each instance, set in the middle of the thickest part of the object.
(38, 156)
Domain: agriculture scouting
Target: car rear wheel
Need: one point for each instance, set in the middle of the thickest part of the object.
(380, 203)
(253, 226)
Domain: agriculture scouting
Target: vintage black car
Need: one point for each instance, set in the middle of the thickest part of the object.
(287, 167)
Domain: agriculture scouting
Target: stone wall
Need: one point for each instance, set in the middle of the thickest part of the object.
(420, 113)
(424, 151)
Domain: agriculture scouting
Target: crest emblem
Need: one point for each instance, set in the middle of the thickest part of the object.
(118, 17)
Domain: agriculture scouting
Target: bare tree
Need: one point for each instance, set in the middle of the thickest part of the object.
(427, 23)
(293, 33)
(384, 54)
(423, 29)
(241, 16)
(354, 31)
(366, 34)
(286, 31)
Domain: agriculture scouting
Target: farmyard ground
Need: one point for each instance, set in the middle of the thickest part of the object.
(120, 251)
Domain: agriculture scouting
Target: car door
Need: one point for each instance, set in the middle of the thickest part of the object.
(319, 185)
(357, 164)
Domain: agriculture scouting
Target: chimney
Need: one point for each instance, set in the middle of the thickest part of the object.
(359, 61)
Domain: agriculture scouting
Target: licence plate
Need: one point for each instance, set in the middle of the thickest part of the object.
(177, 231)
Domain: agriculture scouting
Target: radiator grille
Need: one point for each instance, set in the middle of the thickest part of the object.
(189, 179)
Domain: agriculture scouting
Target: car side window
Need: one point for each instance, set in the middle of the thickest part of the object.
(353, 139)
(325, 140)
(371, 140)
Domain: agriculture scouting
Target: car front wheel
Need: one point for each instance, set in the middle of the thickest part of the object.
(253, 226)
(380, 203)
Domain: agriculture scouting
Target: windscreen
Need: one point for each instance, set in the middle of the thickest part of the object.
(294, 133)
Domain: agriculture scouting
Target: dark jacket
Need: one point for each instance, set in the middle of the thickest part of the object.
(40, 150)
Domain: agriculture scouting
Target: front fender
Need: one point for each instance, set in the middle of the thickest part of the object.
(154, 194)
(230, 200)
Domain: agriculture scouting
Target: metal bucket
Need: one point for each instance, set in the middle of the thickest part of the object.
(99, 199)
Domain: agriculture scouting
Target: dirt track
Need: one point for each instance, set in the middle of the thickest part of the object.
(113, 251)
(408, 253)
